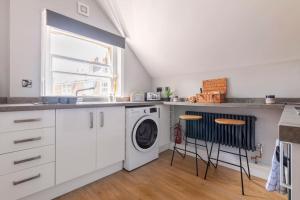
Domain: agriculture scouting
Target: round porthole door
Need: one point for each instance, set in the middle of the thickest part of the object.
(145, 134)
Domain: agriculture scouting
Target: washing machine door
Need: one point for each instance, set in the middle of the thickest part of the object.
(145, 134)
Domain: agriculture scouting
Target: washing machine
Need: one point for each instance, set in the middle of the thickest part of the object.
(142, 130)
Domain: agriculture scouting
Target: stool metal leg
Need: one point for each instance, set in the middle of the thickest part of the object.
(174, 149)
(207, 165)
(249, 175)
(196, 156)
(241, 171)
(185, 146)
(208, 157)
(218, 155)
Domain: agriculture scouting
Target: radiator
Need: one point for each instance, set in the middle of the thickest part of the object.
(207, 129)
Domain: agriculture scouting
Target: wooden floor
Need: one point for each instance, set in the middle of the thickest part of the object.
(158, 180)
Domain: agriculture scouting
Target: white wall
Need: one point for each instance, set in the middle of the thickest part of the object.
(4, 47)
(25, 39)
(281, 79)
(136, 78)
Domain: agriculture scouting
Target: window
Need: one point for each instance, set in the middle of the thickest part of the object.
(76, 65)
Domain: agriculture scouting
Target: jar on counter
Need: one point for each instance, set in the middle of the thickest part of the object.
(270, 99)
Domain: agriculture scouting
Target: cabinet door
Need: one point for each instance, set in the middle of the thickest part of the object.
(110, 136)
(295, 173)
(76, 143)
(164, 123)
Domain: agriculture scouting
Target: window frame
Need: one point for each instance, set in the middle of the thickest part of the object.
(47, 72)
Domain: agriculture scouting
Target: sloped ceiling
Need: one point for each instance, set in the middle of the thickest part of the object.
(173, 37)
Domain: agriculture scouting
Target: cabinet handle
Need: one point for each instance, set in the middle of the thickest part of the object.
(26, 180)
(27, 140)
(18, 121)
(91, 120)
(101, 119)
(158, 112)
(27, 160)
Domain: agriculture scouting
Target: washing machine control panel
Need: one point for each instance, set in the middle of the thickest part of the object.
(153, 110)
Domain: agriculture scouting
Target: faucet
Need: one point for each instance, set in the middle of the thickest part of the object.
(85, 89)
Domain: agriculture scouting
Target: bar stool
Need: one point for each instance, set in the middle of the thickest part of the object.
(240, 124)
(189, 118)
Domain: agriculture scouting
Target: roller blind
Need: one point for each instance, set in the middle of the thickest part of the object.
(68, 24)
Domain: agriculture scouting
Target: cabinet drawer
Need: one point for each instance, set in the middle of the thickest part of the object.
(20, 140)
(13, 162)
(26, 182)
(15, 121)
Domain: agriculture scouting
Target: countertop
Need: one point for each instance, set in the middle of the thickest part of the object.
(289, 125)
(229, 105)
(33, 106)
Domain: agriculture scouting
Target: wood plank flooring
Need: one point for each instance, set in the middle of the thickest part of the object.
(158, 180)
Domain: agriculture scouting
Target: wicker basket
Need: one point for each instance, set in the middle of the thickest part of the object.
(214, 91)
(210, 97)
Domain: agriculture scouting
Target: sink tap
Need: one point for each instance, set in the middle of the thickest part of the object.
(85, 89)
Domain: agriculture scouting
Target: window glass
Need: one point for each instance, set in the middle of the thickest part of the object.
(77, 66)
(79, 48)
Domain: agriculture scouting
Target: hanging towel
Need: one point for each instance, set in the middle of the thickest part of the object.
(273, 183)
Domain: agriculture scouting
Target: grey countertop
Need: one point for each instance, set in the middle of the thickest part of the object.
(31, 106)
(289, 125)
(229, 105)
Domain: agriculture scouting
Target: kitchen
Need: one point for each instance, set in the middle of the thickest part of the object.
(75, 122)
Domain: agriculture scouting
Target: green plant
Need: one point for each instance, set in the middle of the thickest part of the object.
(168, 92)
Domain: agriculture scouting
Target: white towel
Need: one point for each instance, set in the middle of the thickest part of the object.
(273, 183)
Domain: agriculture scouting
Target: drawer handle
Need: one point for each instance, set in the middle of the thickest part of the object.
(101, 119)
(91, 120)
(27, 160)
(18, 121)
(26, 180)
(27, 140)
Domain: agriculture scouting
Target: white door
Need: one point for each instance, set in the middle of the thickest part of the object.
(110, 136)
(76, 143)
(164, 123)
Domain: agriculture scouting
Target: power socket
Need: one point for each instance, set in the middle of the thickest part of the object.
(26, 83)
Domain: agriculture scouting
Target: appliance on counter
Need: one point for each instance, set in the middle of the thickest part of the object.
(142, 130)
(270, 99)
(137, 97)
(153, 96)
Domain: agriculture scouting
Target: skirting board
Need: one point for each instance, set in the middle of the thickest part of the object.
(164, 147)
(258, 170)
(69, 186)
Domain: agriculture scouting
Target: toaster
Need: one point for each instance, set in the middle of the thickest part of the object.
(152, 96)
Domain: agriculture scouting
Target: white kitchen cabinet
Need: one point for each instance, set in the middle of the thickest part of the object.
(295, 172)
(76, 143)
(110, 136)
(26, 139)
(24, 120)
(20, 160)
(26, 182)
(164, 122)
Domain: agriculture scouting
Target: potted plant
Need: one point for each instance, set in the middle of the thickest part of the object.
(168, 93)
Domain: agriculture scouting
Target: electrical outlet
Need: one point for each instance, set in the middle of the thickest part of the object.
(26, 83)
